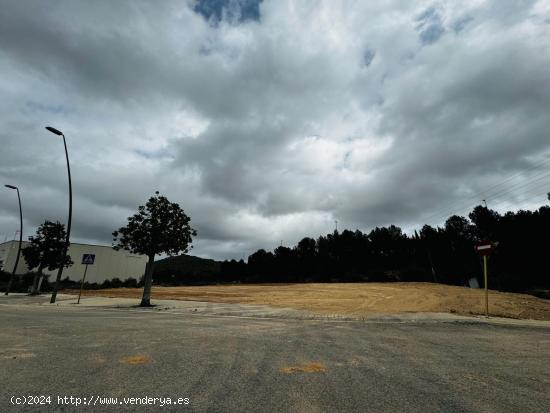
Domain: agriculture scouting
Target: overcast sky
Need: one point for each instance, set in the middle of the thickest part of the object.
(269, 120)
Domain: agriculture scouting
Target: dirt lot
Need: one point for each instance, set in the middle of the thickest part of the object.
(358, 299)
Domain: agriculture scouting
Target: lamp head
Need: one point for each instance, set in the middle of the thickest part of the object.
(10, 186)
(53, 130)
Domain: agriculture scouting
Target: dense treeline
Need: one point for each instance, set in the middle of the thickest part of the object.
(442, 254)
(186, 269)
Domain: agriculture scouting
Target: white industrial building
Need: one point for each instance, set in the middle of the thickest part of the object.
(108, 263)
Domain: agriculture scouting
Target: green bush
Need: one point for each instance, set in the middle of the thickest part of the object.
(130, 283)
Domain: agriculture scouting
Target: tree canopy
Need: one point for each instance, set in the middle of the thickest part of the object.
(439, 254)
(45, 250)
(159, 227)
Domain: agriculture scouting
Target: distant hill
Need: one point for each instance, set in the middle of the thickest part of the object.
(186, 269)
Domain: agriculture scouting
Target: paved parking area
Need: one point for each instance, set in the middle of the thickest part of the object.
(247, 363)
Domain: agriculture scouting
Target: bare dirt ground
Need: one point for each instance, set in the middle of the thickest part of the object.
(355, 299)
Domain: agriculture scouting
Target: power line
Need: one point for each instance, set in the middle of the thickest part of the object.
(510, 178)
(539, 176)
(535, 184)
(486, 192)
(532, 189)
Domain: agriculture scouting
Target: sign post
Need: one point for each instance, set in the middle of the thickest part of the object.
(87, 259)
(485, 250)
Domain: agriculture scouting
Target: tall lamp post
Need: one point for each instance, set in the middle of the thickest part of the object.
(12, 276)
(64, 256)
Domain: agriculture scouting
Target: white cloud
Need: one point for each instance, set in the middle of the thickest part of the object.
(271, 129)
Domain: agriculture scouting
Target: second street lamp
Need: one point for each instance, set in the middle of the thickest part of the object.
(12, 276)
(67, 241)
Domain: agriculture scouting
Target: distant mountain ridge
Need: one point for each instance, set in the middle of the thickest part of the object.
(186, 269)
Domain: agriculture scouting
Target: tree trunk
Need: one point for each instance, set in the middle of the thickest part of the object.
(34, 288)
(432, 266)
(40, 283)
(146, 299)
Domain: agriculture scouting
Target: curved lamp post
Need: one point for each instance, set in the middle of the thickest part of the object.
(60, 270)
(12, 276)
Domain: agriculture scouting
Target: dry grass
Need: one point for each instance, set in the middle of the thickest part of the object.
(357, 299)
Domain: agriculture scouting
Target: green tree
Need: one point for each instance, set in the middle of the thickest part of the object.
(487, 223)
(159, 227)
(45, 251)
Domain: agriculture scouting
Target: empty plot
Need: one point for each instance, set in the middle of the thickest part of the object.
(355, 299)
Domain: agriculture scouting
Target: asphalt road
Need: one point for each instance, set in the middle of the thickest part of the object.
(244, 364)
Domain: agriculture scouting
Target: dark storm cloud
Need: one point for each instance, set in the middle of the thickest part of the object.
(269, 120)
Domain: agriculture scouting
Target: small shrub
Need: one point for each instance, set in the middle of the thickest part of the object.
(116, 283)
(130, 283)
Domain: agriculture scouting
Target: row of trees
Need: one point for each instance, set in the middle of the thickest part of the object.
(159, 227)
(442, 254)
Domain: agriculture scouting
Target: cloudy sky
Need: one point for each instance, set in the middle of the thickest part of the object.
(269, 120)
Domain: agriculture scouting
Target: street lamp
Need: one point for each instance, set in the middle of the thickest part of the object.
(10, 282)
(64, 256)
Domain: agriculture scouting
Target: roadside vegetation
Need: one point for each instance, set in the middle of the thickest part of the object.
(45, 251)
(441, 255)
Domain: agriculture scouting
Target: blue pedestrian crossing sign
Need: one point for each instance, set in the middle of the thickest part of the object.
(88, 259)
